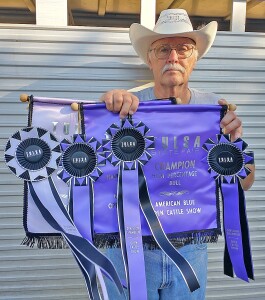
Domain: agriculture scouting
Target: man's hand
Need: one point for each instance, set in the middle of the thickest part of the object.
(120, 101)
(230, 123)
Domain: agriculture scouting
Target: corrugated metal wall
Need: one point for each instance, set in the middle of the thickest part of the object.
(82, 63)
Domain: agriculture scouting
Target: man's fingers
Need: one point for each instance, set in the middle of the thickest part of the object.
(134, 105)
(120, 101)
(222, 102)
(126, 105)
(230, 121)
(231, 124)
(108, 99)
(235, 134)
(130, 105)
(117, 101)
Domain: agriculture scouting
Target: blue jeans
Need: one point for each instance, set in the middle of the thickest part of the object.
(164, 281)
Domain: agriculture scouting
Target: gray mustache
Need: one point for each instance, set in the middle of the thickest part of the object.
(173, 67)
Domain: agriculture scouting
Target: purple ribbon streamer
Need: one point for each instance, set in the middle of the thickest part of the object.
(245, 233)
(82, 209)
(135, 267)
(83, 250)
(83, 218)
(232, 228)
(185, 268)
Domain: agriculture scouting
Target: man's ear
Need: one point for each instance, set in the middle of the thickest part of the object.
(149, 62)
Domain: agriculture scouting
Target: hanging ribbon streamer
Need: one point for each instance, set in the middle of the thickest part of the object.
(227, 164)
(127, 146)
(80, 162)
(33, 154)
(160, 237)
(58, 218)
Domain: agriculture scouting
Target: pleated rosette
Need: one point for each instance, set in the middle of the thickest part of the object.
(227, 165)
(32, 154)
(80, 169)
(81, 160)
(128, 146)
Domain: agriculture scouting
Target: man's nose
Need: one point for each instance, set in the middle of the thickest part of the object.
(173, 56)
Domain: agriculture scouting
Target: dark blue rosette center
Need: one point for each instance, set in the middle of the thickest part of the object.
(79, 160)
(128, 144)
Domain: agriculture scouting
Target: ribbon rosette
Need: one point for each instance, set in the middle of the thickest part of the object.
(127, 146)
(227, 164)
(80, 162)
(32, 153)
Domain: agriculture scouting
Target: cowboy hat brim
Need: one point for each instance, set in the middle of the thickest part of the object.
(142, 38)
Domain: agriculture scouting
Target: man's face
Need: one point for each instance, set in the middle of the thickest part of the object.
(163, 73)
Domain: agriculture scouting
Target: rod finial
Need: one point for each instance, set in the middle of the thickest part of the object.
(74, 106)
(24, 98)
(232, 107)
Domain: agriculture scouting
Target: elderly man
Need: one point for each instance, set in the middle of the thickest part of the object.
(171, 51)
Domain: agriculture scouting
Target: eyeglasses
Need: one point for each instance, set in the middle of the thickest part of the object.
(183, 50)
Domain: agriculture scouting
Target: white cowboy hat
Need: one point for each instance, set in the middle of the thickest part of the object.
(172, 23)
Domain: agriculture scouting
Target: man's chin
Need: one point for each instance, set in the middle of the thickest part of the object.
(173, 76)
(173, 71)
(173, 82)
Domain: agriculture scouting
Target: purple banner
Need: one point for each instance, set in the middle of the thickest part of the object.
(182, 193)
